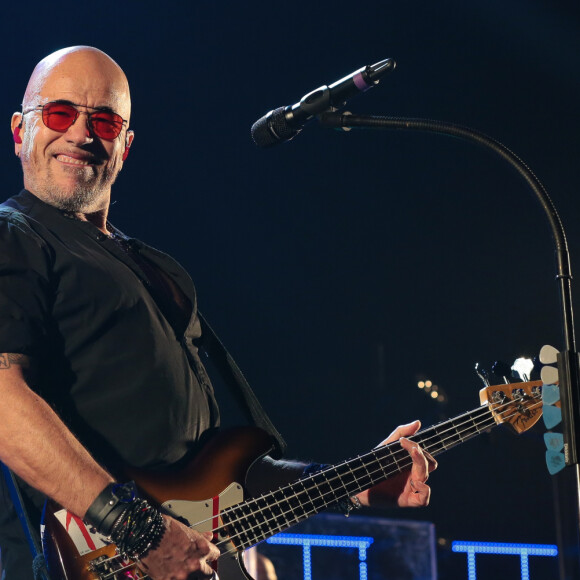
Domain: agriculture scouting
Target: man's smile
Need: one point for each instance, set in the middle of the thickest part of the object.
(69, 160)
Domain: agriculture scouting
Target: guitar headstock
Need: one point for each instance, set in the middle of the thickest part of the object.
(517, 404)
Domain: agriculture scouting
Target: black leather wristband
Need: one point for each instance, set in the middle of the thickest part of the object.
(109, 505)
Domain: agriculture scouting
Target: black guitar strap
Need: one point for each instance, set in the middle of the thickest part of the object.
(238, 385)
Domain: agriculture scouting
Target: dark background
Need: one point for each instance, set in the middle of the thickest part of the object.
(339, 268)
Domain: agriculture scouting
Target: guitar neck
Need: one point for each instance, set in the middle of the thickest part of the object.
(257, 519)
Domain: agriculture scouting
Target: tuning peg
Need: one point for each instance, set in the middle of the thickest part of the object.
(522, 368)
(549, 375)
(548, 355)
(482, 374)
(502, 369)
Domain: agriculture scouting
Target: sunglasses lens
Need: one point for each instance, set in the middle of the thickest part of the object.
(106, 125)
(58, 117)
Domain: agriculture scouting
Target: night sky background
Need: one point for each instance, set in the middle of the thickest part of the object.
(342, 267)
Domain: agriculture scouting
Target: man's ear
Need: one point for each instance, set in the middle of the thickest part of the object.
(128, 142)
(16, 126)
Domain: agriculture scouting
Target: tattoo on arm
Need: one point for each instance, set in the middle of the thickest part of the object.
(8, 359)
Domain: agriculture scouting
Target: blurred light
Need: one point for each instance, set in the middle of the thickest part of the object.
(434, 394)
(421, 384)
(428, 384)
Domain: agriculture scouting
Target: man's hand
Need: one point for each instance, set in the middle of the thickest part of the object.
(408, 488)
(183, 554)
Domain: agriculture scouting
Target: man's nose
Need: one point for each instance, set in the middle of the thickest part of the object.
(80, 131)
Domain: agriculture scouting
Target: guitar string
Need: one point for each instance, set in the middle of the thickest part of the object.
(437, 439)
(405, 461)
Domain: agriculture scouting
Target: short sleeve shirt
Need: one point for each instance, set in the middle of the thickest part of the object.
(110, 356)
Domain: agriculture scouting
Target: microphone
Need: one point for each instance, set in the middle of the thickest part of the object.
(285, 123)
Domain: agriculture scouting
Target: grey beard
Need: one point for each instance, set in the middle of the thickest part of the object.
(82, 200)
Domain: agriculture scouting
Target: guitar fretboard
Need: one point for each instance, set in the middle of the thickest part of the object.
(253, 521)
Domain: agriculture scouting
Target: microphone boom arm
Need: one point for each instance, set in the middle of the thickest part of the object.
(568, 361)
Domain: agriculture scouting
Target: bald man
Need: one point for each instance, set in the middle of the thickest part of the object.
(98, 331)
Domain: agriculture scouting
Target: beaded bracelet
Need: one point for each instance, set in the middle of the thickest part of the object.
(139, 529)
(131, 522)
(349, 504)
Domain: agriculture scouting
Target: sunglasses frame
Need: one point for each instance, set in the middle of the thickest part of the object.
(74, 106)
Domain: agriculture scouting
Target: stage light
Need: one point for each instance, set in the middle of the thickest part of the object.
(521, 550)
(307, 541)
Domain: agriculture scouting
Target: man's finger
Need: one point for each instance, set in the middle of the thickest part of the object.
(420, 463)
(403, 431)
(422, 493)
(430, 460)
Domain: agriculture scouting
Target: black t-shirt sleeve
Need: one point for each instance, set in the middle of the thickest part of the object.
(25, 295)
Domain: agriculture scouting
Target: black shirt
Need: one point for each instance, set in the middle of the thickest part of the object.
(111, 326)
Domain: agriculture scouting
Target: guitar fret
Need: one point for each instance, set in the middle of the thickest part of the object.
(282, 506)
(361, 472)
(324, 488)
(308, 500)
(392, 458)
(368, 478)
(269, 519)
(252, 524)
(355, 485)
(349, 480)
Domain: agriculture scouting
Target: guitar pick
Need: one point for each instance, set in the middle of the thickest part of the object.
(548, 355)
(555, 461)
(554, 441)
(550, 394)
(549, 375)
(552, 416)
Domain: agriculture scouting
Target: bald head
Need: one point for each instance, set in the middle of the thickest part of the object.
(73, 169)
(91, 70)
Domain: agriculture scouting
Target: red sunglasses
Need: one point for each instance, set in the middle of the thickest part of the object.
(60, 117)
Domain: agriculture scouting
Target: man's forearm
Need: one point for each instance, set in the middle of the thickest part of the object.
(38, 447)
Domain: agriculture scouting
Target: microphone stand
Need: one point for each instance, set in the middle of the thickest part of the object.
(568, 480)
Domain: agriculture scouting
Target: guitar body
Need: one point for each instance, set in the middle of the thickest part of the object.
(197, 493)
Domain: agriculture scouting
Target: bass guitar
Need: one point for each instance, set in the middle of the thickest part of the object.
(208, 492)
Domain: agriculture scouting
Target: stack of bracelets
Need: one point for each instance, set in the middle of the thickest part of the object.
(131, 522)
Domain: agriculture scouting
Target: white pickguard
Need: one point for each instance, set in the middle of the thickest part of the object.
(201, 514)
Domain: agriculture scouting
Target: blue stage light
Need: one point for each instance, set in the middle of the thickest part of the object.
(361, 543)
(521, 550)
